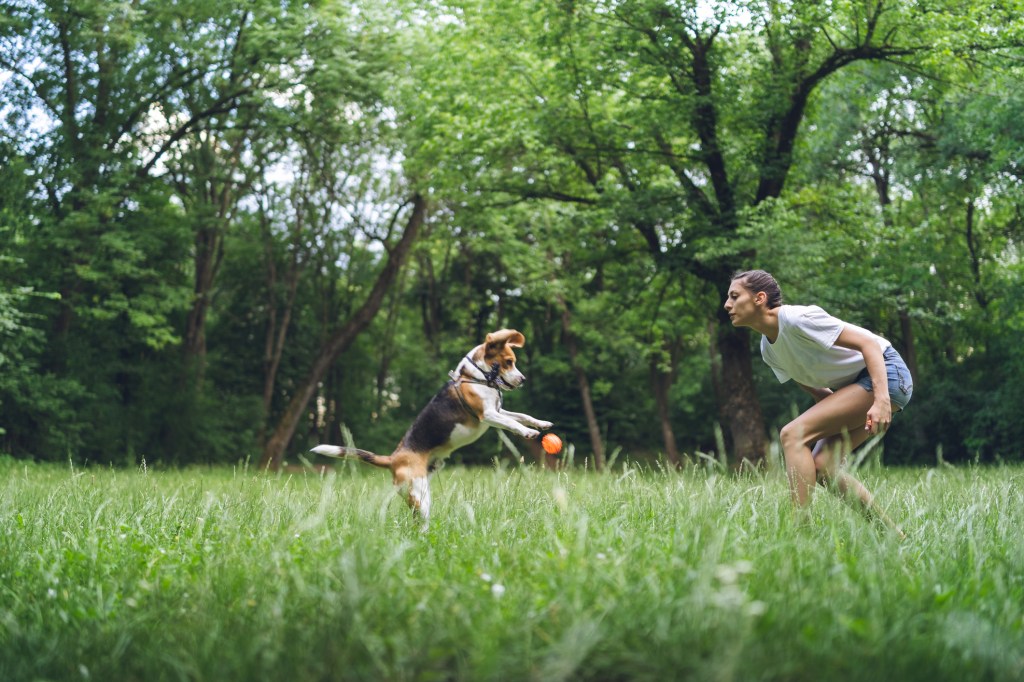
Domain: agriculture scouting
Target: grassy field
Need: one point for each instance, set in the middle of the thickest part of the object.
(524, 574)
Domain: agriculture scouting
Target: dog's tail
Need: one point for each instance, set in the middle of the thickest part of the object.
(337, 451)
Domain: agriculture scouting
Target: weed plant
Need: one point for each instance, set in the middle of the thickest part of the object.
(524, 574)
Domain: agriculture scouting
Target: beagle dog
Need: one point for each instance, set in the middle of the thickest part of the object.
(459, 414)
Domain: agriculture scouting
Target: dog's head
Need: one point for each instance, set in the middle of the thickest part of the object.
(496, 357)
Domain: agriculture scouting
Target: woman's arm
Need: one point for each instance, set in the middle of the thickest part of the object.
(880, 414)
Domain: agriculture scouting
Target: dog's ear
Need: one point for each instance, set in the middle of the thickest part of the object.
(504, 337)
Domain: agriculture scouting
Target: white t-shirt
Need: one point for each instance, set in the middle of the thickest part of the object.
(805, 349)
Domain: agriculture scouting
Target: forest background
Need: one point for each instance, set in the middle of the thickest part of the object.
(231, 230)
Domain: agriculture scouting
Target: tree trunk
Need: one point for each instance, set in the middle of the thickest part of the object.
(661, 384)
(431, 300)
(972, 246)
(213, 201)
(909, 348)
(277, 332)
(208, 248)
(738, 406)
(340, 340)
(584, 387)
(386, 348)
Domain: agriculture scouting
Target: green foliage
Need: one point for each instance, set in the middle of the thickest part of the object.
(32, 395)
(194, 195)
(919, 228)
(639, 574)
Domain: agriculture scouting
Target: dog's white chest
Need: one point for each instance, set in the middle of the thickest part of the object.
(464, 434)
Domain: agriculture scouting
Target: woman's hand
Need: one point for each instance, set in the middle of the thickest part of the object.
(880, 415)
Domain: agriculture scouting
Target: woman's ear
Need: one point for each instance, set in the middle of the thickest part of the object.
(760, 298)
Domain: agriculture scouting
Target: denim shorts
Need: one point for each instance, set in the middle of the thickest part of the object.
(901, 385)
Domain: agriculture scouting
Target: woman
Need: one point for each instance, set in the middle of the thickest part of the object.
(857, 380)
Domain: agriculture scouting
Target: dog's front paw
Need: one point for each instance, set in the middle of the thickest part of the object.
(530, 433)
(544, 426)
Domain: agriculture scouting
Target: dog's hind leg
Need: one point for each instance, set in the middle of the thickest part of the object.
(413, 474)
(419, 497)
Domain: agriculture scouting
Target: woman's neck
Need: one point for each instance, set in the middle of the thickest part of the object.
(768, 324)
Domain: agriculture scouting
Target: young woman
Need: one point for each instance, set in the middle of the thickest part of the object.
(857, 379)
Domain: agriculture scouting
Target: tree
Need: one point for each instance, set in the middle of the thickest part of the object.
(21, 341)
(915, 183)
(217, 187)
(143, 123)
(278, 83)
(677, 120)
(342, 337)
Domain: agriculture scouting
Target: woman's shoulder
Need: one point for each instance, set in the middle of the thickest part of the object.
(811, 322)
(794, 313)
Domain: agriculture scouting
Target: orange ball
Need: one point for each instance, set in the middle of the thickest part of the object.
(551, 443)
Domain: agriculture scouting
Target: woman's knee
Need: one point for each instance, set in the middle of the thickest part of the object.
(792, 435)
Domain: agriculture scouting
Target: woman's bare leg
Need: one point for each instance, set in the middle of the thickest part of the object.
(829, 455)
(843, 412)
(817, 443)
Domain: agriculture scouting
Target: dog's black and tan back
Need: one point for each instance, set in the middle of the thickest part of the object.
(433, 427)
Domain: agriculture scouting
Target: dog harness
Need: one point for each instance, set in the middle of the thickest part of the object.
(490, 379)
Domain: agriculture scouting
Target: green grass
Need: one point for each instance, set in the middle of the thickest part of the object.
(523, 574)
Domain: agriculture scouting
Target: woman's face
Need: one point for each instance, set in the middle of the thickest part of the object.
(741, 304)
